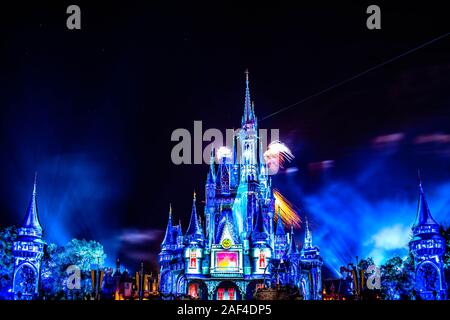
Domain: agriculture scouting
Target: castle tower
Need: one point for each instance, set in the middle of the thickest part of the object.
(241, 247)
(28, 250)
(165, 256)
(261, 253)
(428, 247)
(248, 137)
(312, 261)
(194, 240)
(280, 238)
(293, 257)
(168, 243)
(210, 205)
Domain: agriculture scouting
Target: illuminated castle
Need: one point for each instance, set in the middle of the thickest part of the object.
(243, 244)
(428, 247)
(28, 250)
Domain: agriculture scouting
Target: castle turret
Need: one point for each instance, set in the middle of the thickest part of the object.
(194, 233)
(280, 238)
(28, 250)
(194, 240)
(234, 179)
(179, 236)
(428, 247)
(168, 241)
(307, 244)
(260, 234)
(312, 261)
(210, 205)
(261, 252)
(292, 249)
(171, 255)
(223, 174)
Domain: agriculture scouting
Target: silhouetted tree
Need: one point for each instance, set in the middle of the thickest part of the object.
(7, 236)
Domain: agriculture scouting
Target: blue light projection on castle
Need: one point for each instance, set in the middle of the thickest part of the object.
(428, 247)
(28, 250)
(243, 243)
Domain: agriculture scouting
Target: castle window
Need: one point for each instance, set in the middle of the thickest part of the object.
(220, 293)
(262, 260)
(193, 260)
(231, 294)
(193, 290)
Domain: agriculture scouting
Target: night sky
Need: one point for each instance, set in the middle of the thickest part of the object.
(92, 111)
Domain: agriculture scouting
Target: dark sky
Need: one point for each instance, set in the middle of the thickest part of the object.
(93, 111)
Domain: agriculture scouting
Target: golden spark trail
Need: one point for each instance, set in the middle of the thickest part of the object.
(287, 211)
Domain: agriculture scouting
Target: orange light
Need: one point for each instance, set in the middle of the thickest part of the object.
(287, 211)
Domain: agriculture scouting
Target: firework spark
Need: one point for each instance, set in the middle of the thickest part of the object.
(288, 214)
(276, 155)
(223, 152)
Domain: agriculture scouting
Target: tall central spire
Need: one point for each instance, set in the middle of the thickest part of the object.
(249, 115)
(247, 95)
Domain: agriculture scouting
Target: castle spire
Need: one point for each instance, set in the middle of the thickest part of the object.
(308, 236)
(424, 216)
(279, 231)
(32, 218)
(211, 179)
(262, 165)
(259, 233)
(292, 244)
(194, 231)
(180, 231)
(235, 160)
(249, 115)
(168, 237)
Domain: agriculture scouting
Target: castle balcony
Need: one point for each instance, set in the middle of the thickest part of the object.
(429, 247)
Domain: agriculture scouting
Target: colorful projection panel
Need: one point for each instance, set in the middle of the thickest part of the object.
(227, 259)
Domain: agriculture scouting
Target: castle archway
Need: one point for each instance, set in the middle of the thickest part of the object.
(428, 277)
(227, 290)
(25, 281)
(197, 289)
(181, 285)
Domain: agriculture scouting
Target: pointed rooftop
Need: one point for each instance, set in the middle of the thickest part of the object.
(179, 229)
(424, 216)
(249, 113)
(279, 230)
(259, 231)
(308, 236)
(168, 237)
(194, 231)
(31, 220)
(292, 243)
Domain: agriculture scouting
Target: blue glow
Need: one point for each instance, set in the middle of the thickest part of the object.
(369, 215)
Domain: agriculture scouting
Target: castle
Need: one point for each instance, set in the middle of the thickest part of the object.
(243, 244)
(428, 248)
(28, 250)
